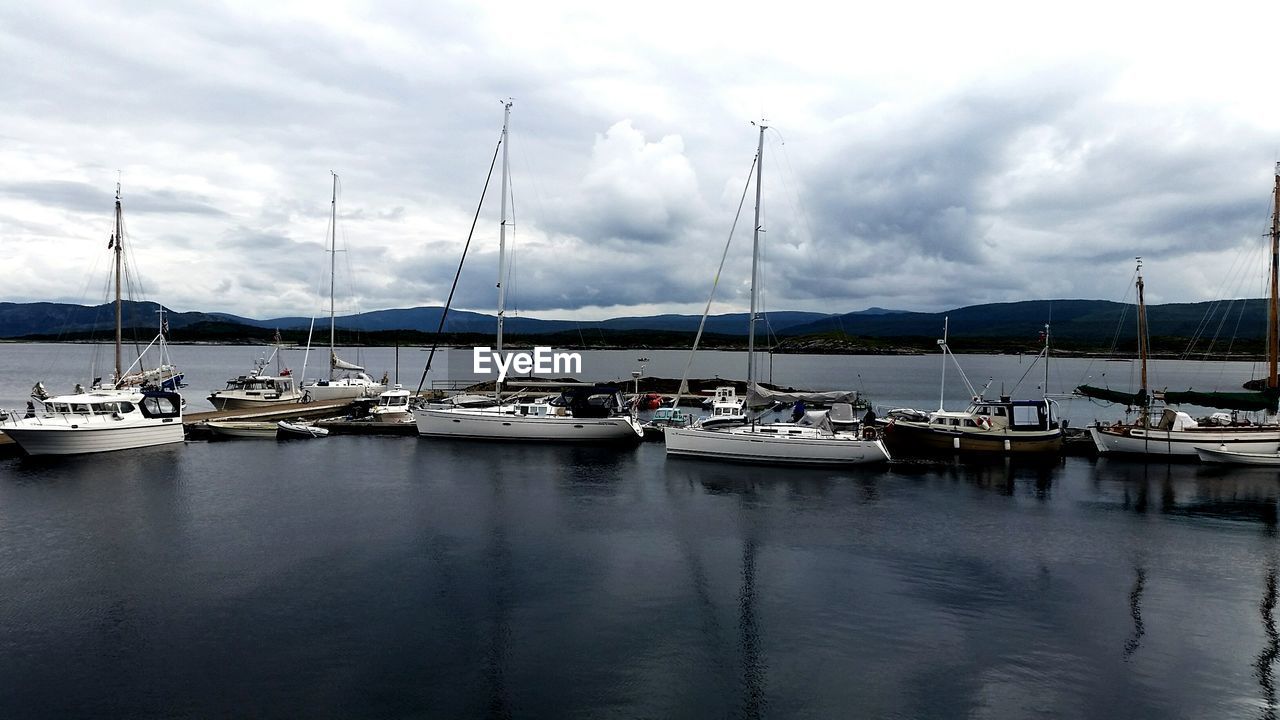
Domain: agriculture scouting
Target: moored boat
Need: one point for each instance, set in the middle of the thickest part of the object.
(819, 438)
(1233, 457)
(290, 430)
(133, 410)
(262, 430)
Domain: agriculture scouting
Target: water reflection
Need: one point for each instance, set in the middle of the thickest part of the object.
(1135, 611)
(1263, 667)
(1192, 491)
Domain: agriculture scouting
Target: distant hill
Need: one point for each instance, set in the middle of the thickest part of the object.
(1092, 322)
(24, 319)
(1077, 320)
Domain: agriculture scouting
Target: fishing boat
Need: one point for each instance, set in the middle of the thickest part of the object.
(133, 410)
(1174, 434)
(726, 409)
(261, 430)
(393, 406)
(345, 379)
(259, 388)
(582, 413)
(814, 439)
(293, 430)
(1232, 457)
(1002, 426)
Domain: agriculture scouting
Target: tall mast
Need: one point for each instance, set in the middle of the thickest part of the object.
(333, 261)
(755, 258)
(1273, 307)
(1046, 359)
(502, 225)
(942, 386)
(1142, 337)
(119, 250)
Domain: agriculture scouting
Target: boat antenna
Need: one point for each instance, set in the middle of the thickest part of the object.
(333, 259)
(435, 343)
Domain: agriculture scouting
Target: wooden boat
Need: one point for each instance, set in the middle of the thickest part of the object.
(1175, 434)
(1232, 457)
(242, 428)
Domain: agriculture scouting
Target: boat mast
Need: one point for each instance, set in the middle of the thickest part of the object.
(755, 258)
(502, 225)
(119, 250)
(942, 386)
(333, 261)
(1046, 360)
(1143, 348)
(1273, 307)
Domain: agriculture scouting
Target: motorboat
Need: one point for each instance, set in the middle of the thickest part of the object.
(393, 406)
(137, 408)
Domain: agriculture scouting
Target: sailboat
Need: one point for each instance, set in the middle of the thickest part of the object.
(1001, 426)
(132, 410)
(582, 413)
(817, 438)
(1175, 434)
(345, 379)
(259, 388)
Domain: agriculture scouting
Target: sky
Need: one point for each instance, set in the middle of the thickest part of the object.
(919, 156)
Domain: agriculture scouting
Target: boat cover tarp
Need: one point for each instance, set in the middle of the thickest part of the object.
(758, 397)
(338, 363)
(1137, 399)
(1265, 400)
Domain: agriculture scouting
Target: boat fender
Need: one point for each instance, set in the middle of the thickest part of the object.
(868, 433)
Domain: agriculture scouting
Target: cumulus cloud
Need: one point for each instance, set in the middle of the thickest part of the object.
(978, 162)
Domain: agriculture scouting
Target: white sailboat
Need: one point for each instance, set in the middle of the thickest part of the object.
(133, 410)
(821, 438)
(345, 379)
(580, 414)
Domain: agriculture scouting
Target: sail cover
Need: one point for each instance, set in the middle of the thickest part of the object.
(758, 397)
(338, 363)
(1265, 400)
(1137, 399)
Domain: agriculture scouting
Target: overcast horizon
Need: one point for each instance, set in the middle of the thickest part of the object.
(921, 157)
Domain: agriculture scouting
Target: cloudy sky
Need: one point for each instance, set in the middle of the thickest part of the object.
(920, 156)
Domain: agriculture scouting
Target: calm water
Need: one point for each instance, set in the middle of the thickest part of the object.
(394, 577)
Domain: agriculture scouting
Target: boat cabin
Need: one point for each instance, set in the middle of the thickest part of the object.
(1013, 415)
(261, 385)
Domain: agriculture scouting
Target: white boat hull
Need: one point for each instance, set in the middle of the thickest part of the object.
(751, 445)
(240, 402)
(65, 440)
(493, 425)
(1183, 443)
(1230, 457)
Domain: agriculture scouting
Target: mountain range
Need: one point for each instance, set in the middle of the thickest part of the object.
(1090, 321)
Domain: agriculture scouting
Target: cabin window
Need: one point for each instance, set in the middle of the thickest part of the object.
(955, 422)
(80, 408)
(124, 407)
(159, 406)
(970, 423)
(1000, 412)
(984, 411)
